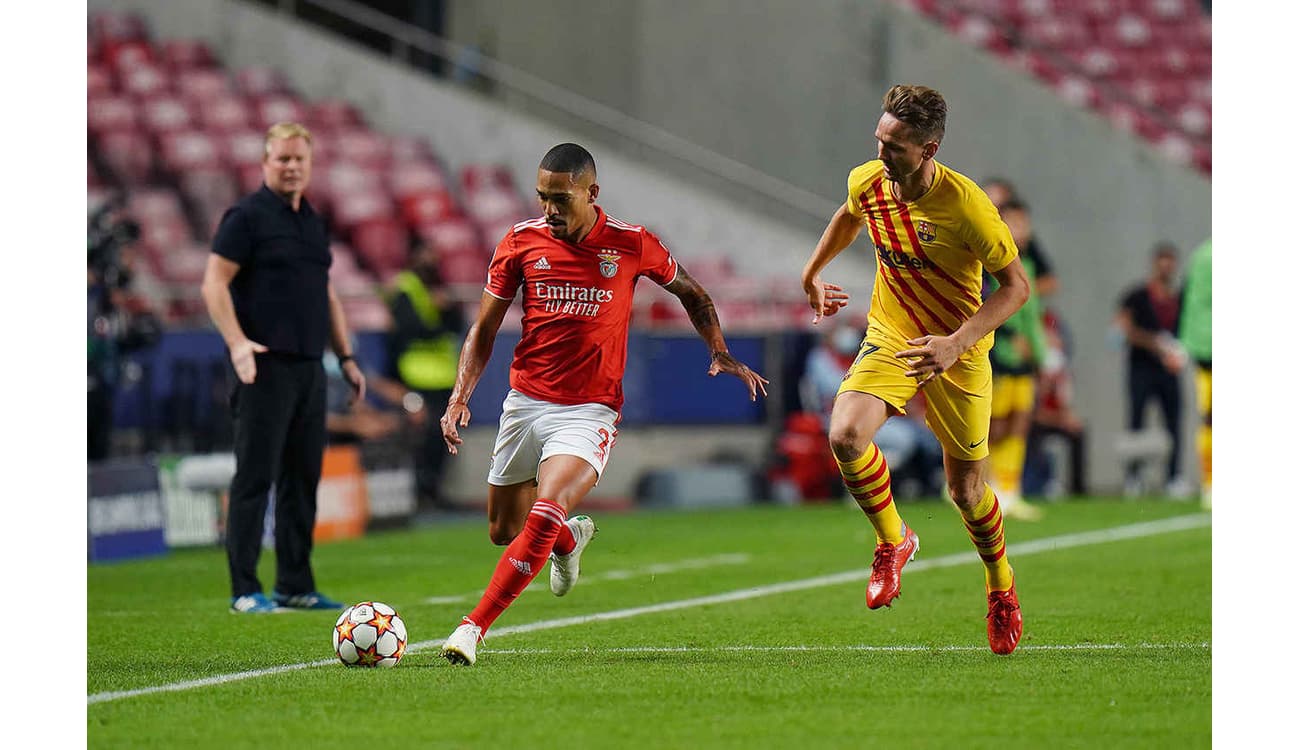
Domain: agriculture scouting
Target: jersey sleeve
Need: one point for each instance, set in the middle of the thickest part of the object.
(855, 186)
(657, 264)
(503, 272)
(987, 235)
(234, 239)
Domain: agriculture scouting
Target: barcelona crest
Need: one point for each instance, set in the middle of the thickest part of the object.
(608, 264)
(925, 230)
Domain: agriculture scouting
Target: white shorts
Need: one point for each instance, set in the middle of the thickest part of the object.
(533, 431)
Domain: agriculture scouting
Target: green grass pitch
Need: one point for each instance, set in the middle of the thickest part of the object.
(1116, 651)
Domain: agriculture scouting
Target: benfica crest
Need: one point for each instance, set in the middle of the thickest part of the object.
(925, 230)
(608, 263)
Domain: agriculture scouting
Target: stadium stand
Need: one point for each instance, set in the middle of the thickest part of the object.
(1144, 65)
(183, 137)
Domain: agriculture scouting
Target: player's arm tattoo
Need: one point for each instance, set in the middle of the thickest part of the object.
(696, 301)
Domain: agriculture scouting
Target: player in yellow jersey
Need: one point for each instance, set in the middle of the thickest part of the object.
(934, 232)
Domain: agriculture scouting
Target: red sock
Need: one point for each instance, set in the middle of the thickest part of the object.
(521, 562)
(564, 543)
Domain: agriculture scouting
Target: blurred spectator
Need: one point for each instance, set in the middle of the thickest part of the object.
(825, 368)
(1194, 332)
(914, 454)
(424, 346)
(1001, 191)
(1147, 322)
(1055, 418)
(118, 321)
(1018, 351)
(349, 422)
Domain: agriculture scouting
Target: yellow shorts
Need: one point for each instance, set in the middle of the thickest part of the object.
(1203, 405)
(1012, 393)
(958, 402)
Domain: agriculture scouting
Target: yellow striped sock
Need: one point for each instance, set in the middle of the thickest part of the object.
(984, 524)
(867, 478)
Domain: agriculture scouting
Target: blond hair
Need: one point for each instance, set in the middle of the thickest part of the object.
(282, 130)
(920, 108)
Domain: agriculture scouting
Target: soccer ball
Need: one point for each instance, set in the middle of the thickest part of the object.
(370, 634)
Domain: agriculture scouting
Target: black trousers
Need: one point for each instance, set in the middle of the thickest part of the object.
(430, 451)
(1145, 384)
(279, 424)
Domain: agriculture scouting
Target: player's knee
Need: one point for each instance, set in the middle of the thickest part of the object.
(502, 533)
(966, 493)
(847, 441)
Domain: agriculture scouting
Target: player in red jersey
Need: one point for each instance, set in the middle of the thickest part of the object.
(577, 268)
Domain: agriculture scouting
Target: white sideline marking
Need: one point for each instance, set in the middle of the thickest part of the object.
(1065, 541)
(874, 649)
(697, 563)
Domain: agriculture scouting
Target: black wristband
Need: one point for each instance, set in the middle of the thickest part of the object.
(346, 357)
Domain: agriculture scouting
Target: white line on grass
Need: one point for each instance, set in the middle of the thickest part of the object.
(1065, 541)
(696, 563)
(874, 649)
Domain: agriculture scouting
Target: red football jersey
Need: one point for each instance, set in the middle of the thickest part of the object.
(577, 305)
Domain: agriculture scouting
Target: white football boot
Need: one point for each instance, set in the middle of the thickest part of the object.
(564, 568)
(461, 647)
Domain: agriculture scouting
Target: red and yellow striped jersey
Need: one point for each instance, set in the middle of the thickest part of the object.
(929, 253)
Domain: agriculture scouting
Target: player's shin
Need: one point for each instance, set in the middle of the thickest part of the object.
(984, 524)
(867, 478)
(521, 562)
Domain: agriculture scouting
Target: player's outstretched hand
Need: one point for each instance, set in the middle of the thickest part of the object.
(457, 415)
(724, 362)
(932, 355)
(825, 299)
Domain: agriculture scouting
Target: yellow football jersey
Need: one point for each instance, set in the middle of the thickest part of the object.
(930, 253)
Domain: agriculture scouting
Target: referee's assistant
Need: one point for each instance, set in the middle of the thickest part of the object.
(267, 290)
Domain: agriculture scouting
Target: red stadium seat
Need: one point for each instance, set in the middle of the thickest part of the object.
(381, 243)
(183, 54)
(202, 84)
(1127, 30)
(245, 147)
(144, 80)
(250, 179)
(352, 209)
(273, 108)
(345, 178)
(463, 268)
(362, 147)
(125, 55)
(455, 236)
(476, 177)
(225, 114)
(494, 206)
(261, 81)
(105, 113)
(334, 114)
(410, 149)
(1060, 33)
(427, 206)
(366, 313)
(410, 177)
(128, 154)
(1126, 116)
(165, 114)
(99, 82)
(187, 150)
(1078, 90)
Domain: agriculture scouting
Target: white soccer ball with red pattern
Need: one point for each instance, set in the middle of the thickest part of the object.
(370, 634)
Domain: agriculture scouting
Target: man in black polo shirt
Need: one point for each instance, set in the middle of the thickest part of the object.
(1148, 318)
(267, 290)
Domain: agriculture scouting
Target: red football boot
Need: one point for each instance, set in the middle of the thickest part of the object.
(886, 567)
(1005, 621)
